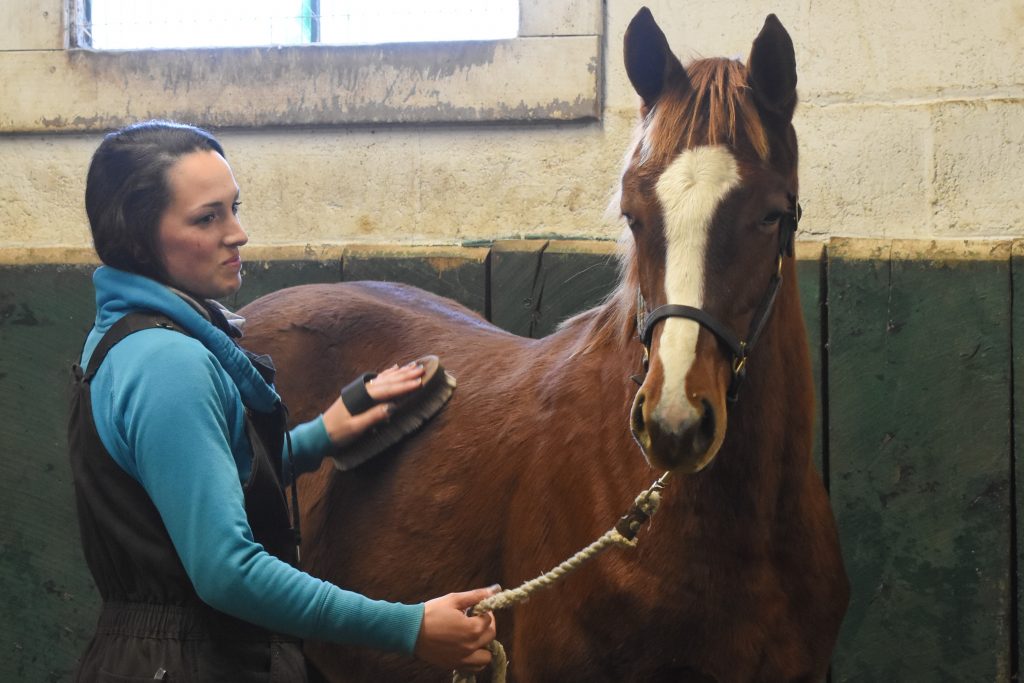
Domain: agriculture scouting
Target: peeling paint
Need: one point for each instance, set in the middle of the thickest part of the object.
(302, 85)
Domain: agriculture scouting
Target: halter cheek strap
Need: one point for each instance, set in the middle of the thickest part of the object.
(739, 348)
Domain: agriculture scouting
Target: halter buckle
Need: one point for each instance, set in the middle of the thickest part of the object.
(739, 363)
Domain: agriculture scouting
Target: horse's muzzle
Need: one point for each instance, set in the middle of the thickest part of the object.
(682, 439)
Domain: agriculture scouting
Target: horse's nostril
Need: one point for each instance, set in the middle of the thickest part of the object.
(638, 413)
(703, 432)
(707, 420)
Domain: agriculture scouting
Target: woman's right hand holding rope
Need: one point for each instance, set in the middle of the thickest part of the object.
(451, 639)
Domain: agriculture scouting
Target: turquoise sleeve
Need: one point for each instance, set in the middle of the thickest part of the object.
(173, 416)
(310, 444)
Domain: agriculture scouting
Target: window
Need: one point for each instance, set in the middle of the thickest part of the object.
(146, 24)
(551, 71)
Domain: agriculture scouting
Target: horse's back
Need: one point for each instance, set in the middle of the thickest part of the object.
(344, 306)
(326, 334)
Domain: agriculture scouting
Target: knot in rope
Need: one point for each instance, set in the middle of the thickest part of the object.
(499, 665)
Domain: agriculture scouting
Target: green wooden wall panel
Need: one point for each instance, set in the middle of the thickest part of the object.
(919, 459)
(456, 273)
(50, 603)
(1017, 316)
(536, 284)
(919, 435)
(515, 266)
(263, 277)
(808, 272)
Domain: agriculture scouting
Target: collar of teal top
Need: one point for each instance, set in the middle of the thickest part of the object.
(119, 292)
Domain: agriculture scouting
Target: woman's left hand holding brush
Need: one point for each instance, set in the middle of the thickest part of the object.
(342, 426)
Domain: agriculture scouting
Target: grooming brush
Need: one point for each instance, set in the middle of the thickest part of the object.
(409, 414)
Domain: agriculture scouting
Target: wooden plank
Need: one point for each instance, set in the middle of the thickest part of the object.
(536, 284)
(809, 270)
(1017, 316)
(919, 458)
(262, 276)
(515, 265)
(50, 603)
(459, 273)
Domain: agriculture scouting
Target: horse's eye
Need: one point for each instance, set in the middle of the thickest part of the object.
(631, 221)
(771, 218)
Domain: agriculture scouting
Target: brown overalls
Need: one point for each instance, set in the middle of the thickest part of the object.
(152, 624)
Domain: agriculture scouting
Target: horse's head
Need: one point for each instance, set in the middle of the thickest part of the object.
(709, 193)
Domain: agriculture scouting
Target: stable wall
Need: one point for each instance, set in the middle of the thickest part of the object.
(910, 126)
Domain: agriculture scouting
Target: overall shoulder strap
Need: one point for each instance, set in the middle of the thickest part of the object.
(129, 324)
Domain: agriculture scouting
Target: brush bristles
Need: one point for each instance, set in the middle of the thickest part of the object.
(407, 419)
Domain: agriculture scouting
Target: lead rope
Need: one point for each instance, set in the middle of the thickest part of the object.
(623, 534)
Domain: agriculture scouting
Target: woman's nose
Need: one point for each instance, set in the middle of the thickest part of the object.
(236, 233)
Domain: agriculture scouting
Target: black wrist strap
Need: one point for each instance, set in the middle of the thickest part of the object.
(355, 396)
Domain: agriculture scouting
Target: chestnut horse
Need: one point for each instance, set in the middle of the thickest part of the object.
(739, 576)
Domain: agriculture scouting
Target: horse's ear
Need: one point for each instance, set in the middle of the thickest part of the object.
(772, 69)
(649, 60)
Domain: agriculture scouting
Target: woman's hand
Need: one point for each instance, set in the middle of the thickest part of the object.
(392, 383)
(450, 639)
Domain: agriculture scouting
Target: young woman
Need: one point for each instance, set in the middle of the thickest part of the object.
(178, 448)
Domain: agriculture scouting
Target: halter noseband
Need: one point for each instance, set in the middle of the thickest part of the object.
(740, 348)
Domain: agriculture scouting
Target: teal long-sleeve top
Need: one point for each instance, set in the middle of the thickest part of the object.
(169, 408)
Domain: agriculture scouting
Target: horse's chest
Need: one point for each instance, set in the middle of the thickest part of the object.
(716, 627)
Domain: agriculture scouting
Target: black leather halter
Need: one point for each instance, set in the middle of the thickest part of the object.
(740, 348)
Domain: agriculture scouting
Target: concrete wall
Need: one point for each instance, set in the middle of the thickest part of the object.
(911, 125)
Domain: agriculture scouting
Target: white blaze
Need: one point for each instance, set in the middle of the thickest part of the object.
(690, 190)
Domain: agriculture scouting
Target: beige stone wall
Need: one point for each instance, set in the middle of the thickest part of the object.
(911, 125)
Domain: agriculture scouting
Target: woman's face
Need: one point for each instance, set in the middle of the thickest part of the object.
(199, 233)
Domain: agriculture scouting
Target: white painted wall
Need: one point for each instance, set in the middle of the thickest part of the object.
(911, 125)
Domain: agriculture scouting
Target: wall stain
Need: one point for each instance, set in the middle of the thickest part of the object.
(444, 264)
(20, 314)
(341, 85)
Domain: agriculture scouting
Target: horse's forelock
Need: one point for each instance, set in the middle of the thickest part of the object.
(717, 109)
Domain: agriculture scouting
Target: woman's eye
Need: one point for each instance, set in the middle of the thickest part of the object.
(206, 218)
(234, 207)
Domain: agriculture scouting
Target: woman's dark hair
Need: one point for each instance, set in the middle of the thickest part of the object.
(126, 191)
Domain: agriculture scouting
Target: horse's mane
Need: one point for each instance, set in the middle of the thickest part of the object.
(614, 320)
(718, 108)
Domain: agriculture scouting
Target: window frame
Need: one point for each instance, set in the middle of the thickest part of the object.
(78, 89)
(310, 18)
